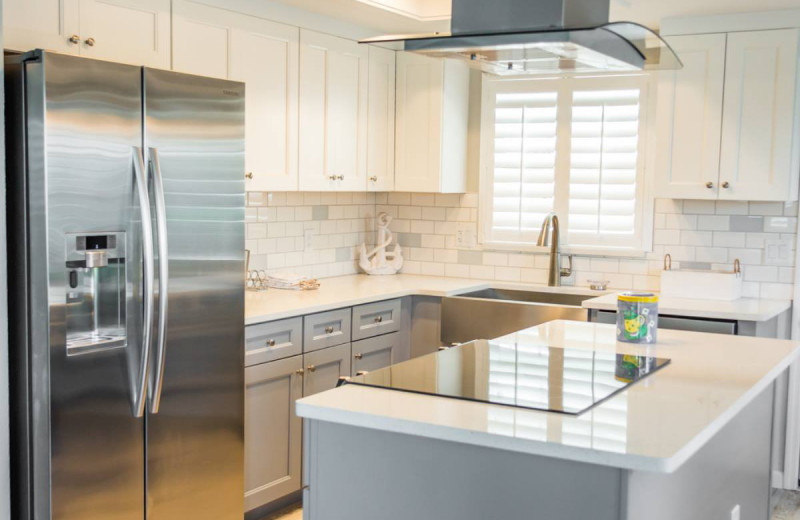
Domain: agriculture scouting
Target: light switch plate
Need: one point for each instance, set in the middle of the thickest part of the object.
(778, 251)
(465, 236)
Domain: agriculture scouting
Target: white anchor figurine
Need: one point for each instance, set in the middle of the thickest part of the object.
(379, 260)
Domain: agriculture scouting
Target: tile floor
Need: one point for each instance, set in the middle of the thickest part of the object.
(788, 508)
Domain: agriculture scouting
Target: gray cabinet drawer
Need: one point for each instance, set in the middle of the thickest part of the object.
(324, 367)
(274, 340)
(376, 318)
(326, 329)
(680, 323)
(378, 352)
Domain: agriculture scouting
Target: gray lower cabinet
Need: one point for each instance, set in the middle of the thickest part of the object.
(324, 367)
(378, 352)
(273, 433)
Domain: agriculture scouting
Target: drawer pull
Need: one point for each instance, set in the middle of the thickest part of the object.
(311, 368)
(270, 342)
(328, 330)
(362, 372)
(359, 356)
(379, 319)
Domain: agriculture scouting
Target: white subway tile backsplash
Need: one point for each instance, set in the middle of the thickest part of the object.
(698, 234)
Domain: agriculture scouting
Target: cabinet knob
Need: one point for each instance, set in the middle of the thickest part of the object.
(270, 342)
(90, 42)
(726, 185)
(709, 185)
(328, 330)
(358, 356)
(311, 368)
(378, 319)
(74, 39)
(340, 177)
(374, 178)
(249, 175)
(332, 177)
(299, 371)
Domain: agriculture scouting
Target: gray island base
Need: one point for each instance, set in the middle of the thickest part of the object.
(696, 443)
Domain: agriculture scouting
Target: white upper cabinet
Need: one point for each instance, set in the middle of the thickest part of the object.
(689, 118)
(380, 125)
(265, 56)
(46, 24)
(432, 114)
(728, 122)
(760, 116)
(333, 113)
(125, 31)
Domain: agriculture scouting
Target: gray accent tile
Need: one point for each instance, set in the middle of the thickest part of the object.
(319, 213)
(343, 254)
(743, 223)
(703, 266)
(470, 257)
(409, 239)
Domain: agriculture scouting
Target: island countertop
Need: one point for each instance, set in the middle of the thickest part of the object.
(655, 425)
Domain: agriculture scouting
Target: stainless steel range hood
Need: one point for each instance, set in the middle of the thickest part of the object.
(542, 37)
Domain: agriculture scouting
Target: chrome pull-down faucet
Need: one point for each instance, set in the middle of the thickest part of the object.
(550, 235)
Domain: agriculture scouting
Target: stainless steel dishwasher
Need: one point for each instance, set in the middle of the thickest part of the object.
(492, 313)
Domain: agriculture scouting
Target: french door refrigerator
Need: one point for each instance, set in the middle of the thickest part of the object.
(126, 201)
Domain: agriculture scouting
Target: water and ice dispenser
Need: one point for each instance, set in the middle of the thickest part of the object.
(95, 276)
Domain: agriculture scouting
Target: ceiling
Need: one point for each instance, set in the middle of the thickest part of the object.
(425, 16)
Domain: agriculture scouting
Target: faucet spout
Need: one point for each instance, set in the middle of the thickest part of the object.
(550, 235)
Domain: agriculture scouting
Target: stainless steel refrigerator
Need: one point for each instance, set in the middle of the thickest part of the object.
(126, 209)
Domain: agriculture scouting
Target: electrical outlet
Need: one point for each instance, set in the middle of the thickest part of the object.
(736, 512)
(308, 240)
(778, 251)
(465, 237)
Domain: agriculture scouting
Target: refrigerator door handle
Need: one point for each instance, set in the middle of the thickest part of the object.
(140, 392)
(163, 280)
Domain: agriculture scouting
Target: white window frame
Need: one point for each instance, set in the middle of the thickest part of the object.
(565, 85)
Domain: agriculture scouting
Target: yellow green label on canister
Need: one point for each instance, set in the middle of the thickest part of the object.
(637, 317)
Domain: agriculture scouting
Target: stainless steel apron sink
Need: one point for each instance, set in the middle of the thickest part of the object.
(491, 313)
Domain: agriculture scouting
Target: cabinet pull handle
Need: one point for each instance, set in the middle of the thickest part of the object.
(270, 342)
(378, 319)
(362, 372)
(709, 185)
(74, 39)
(90, 42)
(299, 372)
(311, 368)
(726, 185)
(249, 175)
(374, 178)
(328, 330)
(359, 356)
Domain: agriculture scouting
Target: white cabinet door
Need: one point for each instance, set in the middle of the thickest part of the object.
(126, 31)
(420, 82)
(759, 121)
(45, 24)
(272, 431)
(264, 55)
(380, 128)
(333, 113)
(689, 119)
(201, 40)
(431, 132)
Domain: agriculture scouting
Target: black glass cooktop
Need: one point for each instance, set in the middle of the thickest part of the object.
(562, 380)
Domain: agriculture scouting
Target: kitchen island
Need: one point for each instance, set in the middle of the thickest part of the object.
(691, 440)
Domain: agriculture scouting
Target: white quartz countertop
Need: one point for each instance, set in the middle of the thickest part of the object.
(745, 309)
(346, 291)
(655, 425)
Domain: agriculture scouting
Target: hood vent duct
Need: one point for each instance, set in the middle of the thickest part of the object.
(507, 37)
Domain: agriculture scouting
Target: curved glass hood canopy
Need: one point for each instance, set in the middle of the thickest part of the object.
(567, 38)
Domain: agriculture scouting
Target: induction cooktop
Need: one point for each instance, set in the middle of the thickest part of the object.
(537, 377)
